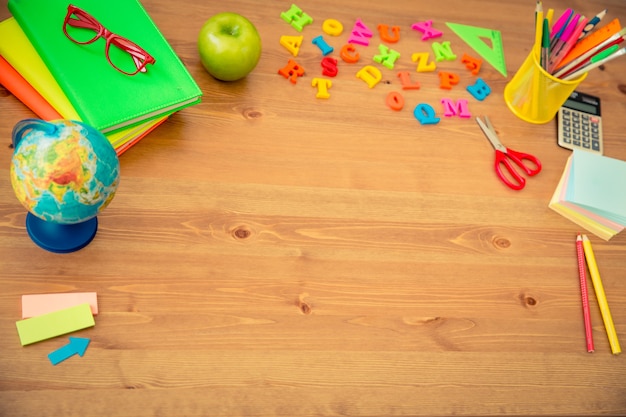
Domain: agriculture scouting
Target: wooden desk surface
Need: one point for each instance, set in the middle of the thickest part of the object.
(271, 253)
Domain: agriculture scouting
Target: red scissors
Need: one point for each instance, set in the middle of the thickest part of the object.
(504, 156)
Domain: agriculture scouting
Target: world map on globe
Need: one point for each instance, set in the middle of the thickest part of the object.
(65, 172)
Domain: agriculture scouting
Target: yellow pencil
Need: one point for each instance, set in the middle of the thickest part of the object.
(602, 302)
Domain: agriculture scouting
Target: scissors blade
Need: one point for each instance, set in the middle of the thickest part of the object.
(490, 132)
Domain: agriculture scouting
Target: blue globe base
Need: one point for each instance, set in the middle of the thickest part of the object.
(61, 238)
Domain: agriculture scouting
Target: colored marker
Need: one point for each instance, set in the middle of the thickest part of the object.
(564, 36)
(569, 44)
(560, 26)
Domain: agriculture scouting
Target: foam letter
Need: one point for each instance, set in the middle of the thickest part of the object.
(322, 85)
(480, 90)
(292, 71)
(425, 114)
(472, 64)
(387, 56)
(443, 51)
(427, 29)
(292, 43)
(360, 34)
(448, 79)
(329, 66)
(296, 18)
(371, 75)
(395, 101)
(349, 54)
(450, 109)
(405, 79)
(321, 43)
(332, 27)
(383, 31)
(422, 62)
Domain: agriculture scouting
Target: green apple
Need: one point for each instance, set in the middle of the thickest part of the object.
(229, 46)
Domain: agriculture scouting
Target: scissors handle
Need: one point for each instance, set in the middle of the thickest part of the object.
(504, 159)
(520, 157)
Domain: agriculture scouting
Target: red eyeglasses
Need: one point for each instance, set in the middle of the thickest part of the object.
(124, 55)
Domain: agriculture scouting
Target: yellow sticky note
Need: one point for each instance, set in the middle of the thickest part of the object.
(55, 324)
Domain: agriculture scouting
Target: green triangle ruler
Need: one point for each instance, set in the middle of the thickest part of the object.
(474, 37)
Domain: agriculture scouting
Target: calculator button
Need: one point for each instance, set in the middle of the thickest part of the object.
(595, 145)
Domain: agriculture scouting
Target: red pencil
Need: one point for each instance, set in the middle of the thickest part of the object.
(582, 272)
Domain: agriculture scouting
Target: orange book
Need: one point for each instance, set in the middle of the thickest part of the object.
(25, 92)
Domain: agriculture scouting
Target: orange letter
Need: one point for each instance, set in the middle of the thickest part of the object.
(395, 101)
(349, 54)
(292, 71)
(383, 30)
(405, 79)
(472, 64)
(448, 79)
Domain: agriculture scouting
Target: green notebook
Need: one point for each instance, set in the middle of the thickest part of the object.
(104, 97)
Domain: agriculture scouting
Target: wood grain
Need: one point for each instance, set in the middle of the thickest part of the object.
(273, 254)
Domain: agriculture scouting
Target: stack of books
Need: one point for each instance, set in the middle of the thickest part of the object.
(592, 193)
(47, 64)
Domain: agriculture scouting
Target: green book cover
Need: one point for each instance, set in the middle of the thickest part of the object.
(104, 97)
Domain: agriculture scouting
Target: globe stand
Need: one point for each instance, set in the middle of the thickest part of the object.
(61, 238)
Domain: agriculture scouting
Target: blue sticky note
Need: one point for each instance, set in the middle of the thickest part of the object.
(598, 184)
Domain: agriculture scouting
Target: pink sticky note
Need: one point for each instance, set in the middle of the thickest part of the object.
(34, 305)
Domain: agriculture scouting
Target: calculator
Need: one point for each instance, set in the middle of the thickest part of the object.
(580, 123)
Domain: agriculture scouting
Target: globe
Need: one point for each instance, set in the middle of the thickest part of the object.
(64, 173)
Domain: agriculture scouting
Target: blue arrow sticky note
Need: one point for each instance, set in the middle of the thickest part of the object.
(77, 346)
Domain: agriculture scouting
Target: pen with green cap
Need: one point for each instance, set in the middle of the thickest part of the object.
(583, 58)
(601, 58)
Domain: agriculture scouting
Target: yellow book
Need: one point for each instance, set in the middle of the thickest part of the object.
(19, 52)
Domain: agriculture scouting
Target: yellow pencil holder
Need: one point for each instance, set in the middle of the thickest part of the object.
(534, 95)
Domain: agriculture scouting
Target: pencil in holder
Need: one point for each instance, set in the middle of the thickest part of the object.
(534, 95)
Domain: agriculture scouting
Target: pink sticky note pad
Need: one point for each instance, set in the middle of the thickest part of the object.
(34, 305)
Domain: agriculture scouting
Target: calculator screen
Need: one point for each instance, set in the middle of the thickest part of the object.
(584, 107)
